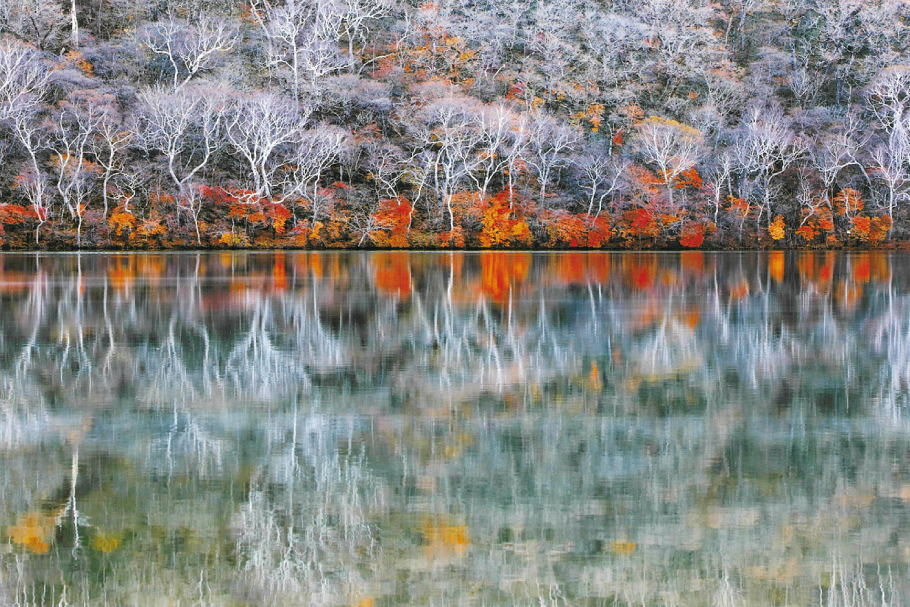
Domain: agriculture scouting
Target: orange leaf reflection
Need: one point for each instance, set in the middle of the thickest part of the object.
(445, 539)
(105, 542)
(777, 265)
(692, 262)
(501, 272)
(622, 547)
(279, 273)
(392, 273)
(740, 289)
(570, 267)
(880, 266)
(862, 268)
(691, 317)
(640, 271)
(34, 532)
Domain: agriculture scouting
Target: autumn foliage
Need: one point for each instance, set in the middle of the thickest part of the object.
(502, 273)
(503, 224)
(392, 220)
(392, 273)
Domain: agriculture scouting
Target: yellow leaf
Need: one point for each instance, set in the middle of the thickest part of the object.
(622, 547)
(777, 229)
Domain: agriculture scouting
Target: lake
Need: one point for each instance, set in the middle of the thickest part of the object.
(495, 428)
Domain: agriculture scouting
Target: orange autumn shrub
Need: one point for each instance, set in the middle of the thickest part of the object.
(122, 220)
(688, 179)
(638, 224)
(879, 228)
(692, 235)
(777, 230)
(861, 227)
(565, 229)
(848, 202)
(599, 232)
(393, 219)
(808, 231)
(503, 225)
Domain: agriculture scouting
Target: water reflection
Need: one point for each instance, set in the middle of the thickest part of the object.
(455, 429)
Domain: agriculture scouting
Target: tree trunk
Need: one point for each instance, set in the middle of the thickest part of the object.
(75, 23)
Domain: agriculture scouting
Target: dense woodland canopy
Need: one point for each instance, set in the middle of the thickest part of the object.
(457, 123)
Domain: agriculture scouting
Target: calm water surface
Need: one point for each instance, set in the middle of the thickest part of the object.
(370, 429)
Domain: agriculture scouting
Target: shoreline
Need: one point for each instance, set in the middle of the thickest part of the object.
(897, 248)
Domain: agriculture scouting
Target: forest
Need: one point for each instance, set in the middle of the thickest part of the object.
(723, 124)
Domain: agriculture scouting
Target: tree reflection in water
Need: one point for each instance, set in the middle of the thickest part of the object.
(450, 429)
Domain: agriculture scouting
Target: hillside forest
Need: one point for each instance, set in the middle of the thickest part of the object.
(162, 124)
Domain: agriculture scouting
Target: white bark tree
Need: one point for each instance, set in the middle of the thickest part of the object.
(602, 174)
(112, 138)
(312, 154)
(74, 129)
(258, 126)
(40, 22)
(31, 134)
(449, 139)
(550, 144)
(765, 147)
(496, 125)
(302, 38)
(24, 80)
(837, 149)
(888, 100)
(190, 49)
(184, 126)
(356, 15)
(671, 146)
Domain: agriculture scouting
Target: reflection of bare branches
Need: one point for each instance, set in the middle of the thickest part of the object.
(847, 587)
(188, 443)
(652, 436)
(727, 595)
(304, 540)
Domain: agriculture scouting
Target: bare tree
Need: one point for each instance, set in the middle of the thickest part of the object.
(497, 130)
(765, 147)
(189, 200)
(74, 24)
(185, 126)
(316, 150)
(24, 80)
(550, 143)
(31, 134)
(112, 138)
(356, 14)
(190, 49)
(385, 164)
(449, 138)
(74, 129)
(257, 127)
(672, 146)
(302, 37)
(719, 177)
(514, 152)
(23, 84)
(40, 22)
(602, 174)
(888, 102)
(837, 149)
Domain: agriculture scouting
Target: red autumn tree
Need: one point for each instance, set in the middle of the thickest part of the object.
(392, 221)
